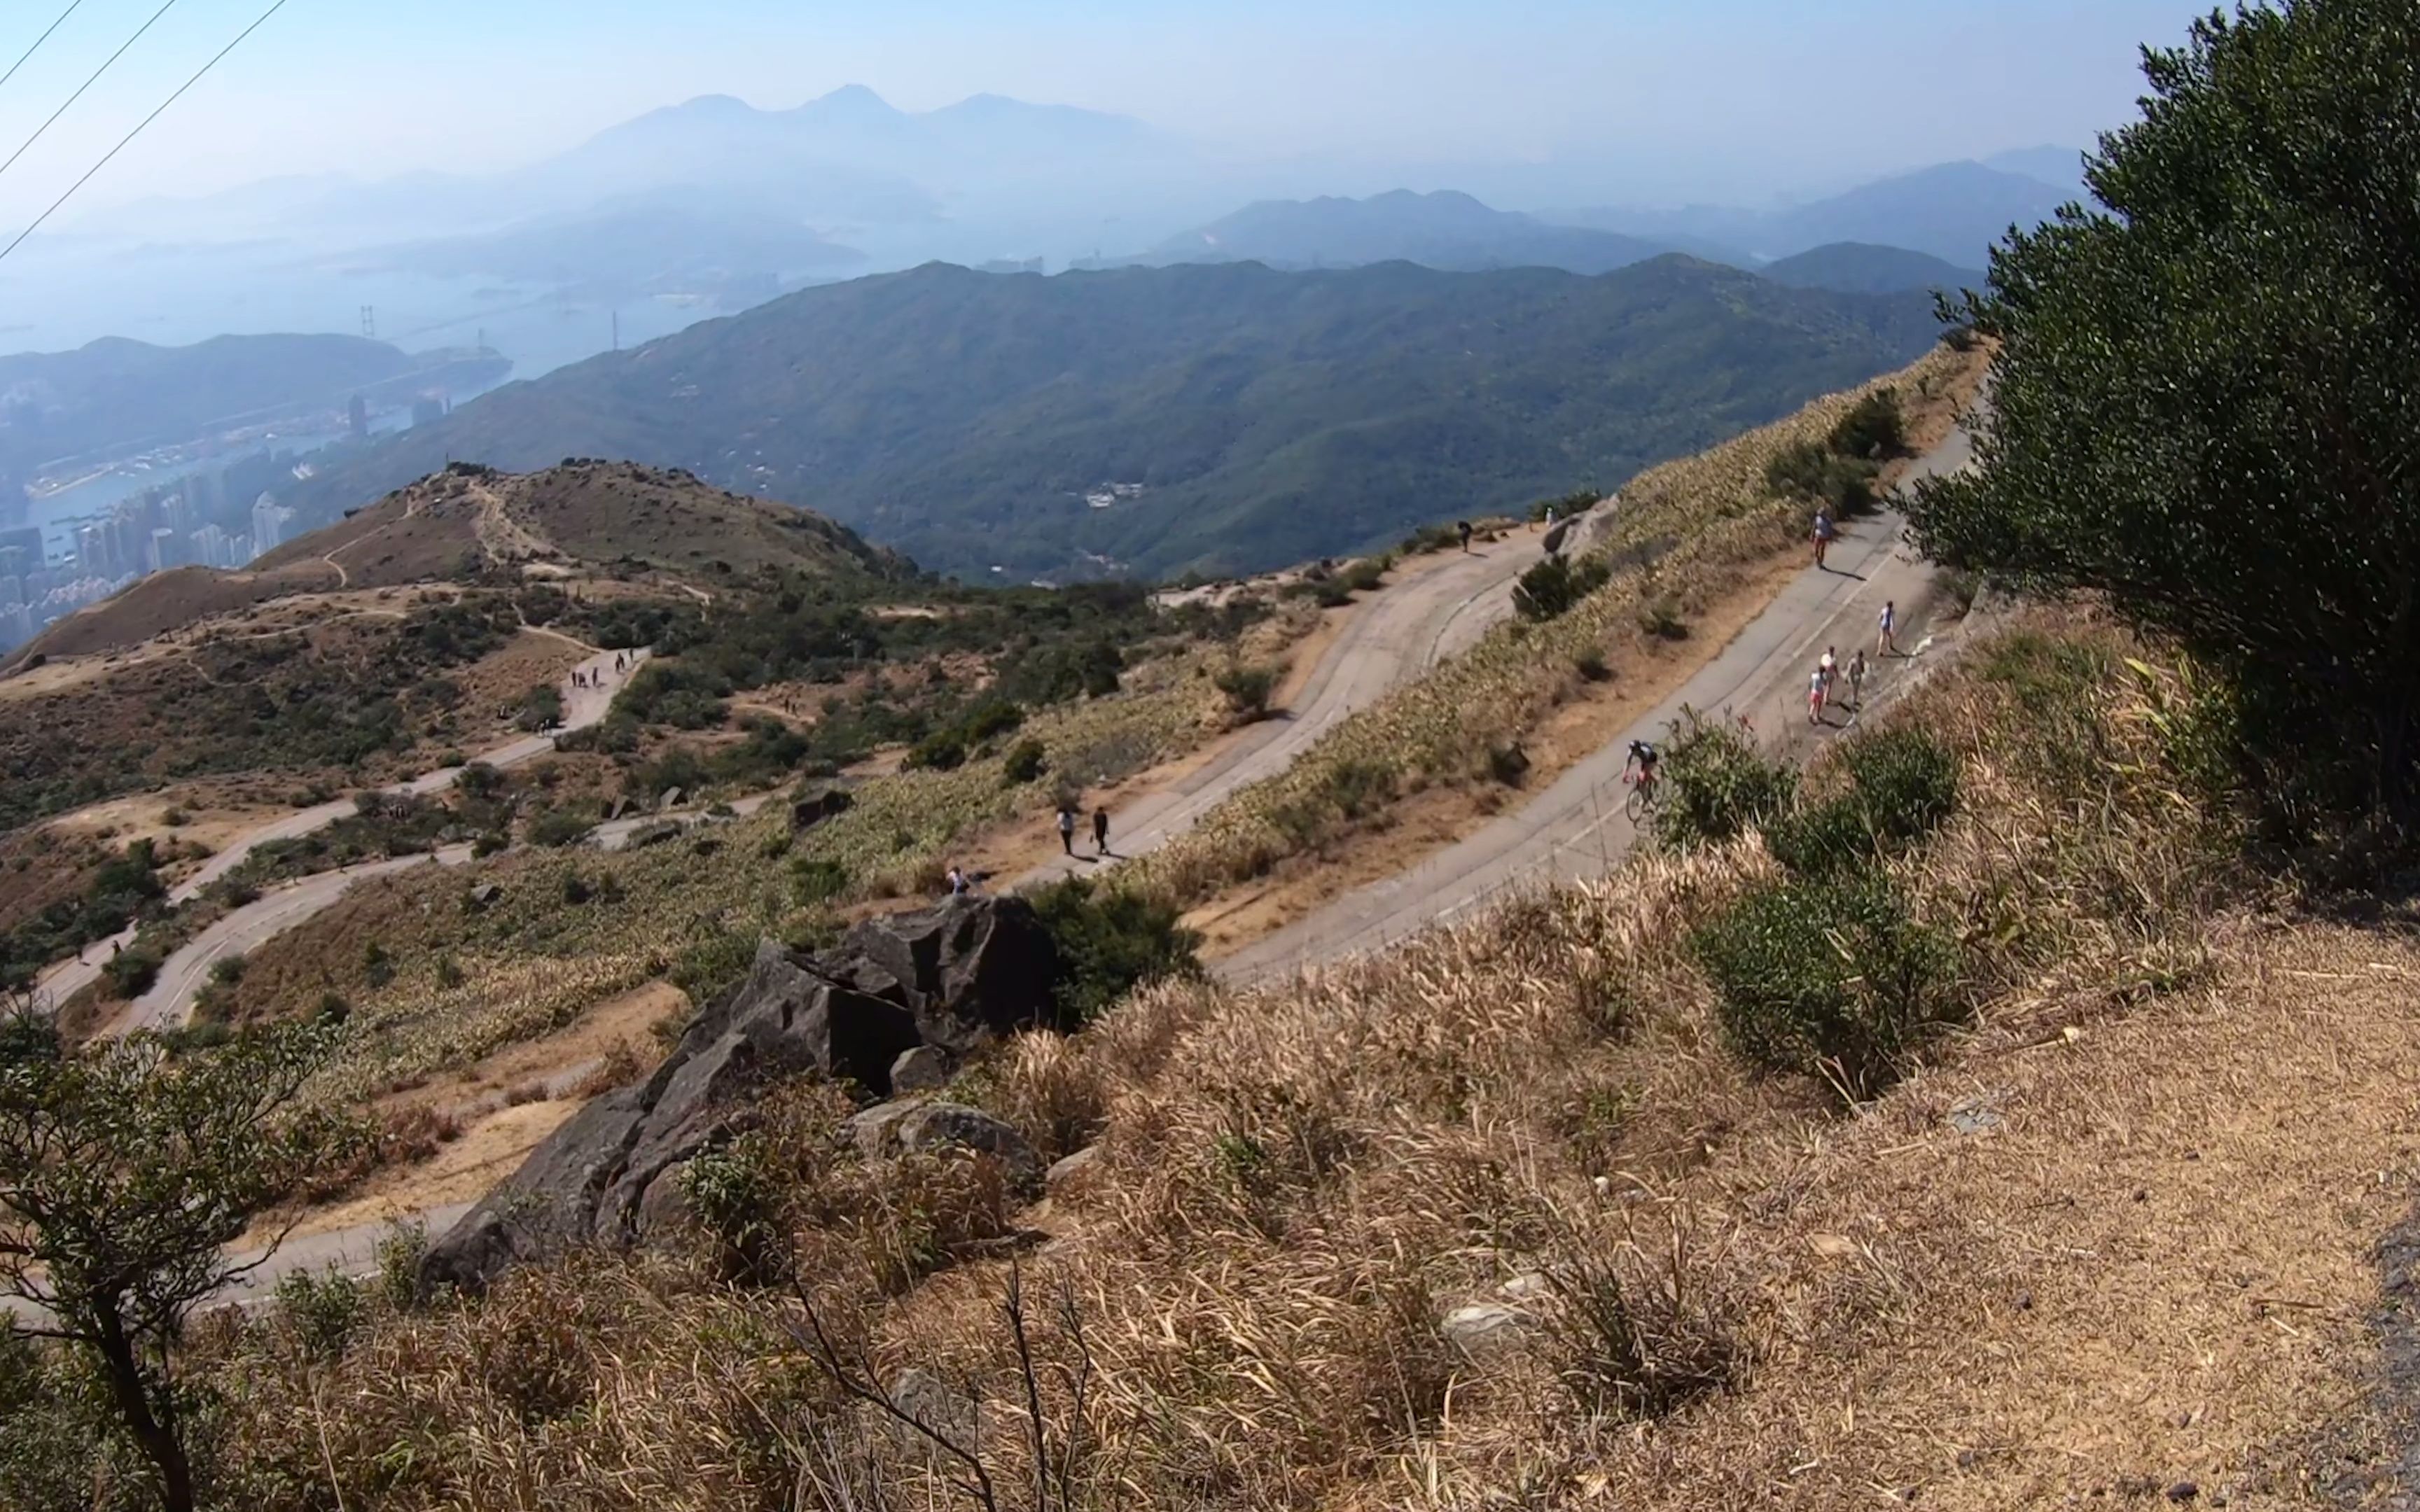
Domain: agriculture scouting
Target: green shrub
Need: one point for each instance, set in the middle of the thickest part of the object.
(737, 1202)
(558, 827)
(988, 719)
(1906, 782)
(1873, 430)
(944, 750)
(1550, 589)
(1662, 620)
(1823, 840)
(818, 878)
(1716, 786)
(322, 1311)
(1248, 687)
(1361, 787)
(541, 708)
(228, 970)
(1025, 763)
(1508, 765)
(131, 972)
(1590, 664)
(1829, 978)
(712, 962)
(1109, 941)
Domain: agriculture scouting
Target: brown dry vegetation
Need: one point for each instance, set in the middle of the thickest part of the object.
(2098, 1245)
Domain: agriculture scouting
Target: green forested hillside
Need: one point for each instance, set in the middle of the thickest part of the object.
(1270, 416)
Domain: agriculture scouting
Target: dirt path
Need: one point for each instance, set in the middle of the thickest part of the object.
(1576, 827)
(247, 927)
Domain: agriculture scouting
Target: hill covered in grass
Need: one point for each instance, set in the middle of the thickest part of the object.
(1862, 268)
(978, 421)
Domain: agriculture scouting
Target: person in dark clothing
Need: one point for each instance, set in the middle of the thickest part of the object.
(1463, 527)
(1100, 832)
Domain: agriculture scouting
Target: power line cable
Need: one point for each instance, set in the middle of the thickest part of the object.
(40, 40)
(86, 85)
(129, 138)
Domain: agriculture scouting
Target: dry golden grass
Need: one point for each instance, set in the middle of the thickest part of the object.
(2150, 1266)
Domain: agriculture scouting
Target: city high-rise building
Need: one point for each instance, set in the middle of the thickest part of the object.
(162, 553)
(269, 521)
(211, 546)
(27, 540)
(357, 418)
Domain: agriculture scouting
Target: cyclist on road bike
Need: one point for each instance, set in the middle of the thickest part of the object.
(1644, 756)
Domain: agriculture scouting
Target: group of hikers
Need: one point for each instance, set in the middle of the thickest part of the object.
(962, 882)
(1830, 669)
(597, 679)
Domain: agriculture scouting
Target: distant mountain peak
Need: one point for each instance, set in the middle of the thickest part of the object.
(851, 101)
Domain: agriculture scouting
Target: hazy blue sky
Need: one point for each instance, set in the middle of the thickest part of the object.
(1740, 97)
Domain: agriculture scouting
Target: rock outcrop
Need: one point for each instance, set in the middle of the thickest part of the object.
(949, 977)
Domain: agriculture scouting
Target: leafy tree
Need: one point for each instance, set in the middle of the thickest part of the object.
(127, 1174)
(2206, 403)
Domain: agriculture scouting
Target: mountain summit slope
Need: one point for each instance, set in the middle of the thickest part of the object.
(977, 421)
(1444, 229)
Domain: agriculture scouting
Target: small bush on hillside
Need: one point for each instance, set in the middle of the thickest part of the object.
(712, 962)
(1590, 664)
(1662, 620)
(1873, 430)
(1365, 576)
(1508, 763)
(1359, 788)
(558, 827)
(1716, 786)
(1246, 687)
(819, 878)
(1025, 762)
(1830, 978)
(322, 1311)
(944, 750)
(1550, 589)
(541, 708)
(1906, 782)
(1109, 941)
(131, 972)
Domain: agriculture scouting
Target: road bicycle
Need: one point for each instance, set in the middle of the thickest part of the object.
(1642, 799)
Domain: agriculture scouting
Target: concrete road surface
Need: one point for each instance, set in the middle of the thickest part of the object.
(1396, 636)
(1575, 828)
(582, 707)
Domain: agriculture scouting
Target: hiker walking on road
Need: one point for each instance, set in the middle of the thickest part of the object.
(1824, 531)
(1857, 681)
(1067, 826)
(1886, 643)
(1462, 527)
(1815, 697)
(1830, 669)
(1101, 831)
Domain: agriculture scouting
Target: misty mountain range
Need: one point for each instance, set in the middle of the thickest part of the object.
(719, 199)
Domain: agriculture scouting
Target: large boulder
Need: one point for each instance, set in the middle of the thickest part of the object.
(816, 802)
(949, 976)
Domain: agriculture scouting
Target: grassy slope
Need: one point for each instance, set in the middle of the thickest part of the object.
(1295, 1184)
(1696, 525)
(1275, 417)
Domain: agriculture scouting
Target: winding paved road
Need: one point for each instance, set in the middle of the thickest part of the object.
(1397, 634)
(1575, 828)
(281, 908)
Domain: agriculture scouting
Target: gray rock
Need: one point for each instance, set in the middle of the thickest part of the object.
(484, 895)
(1069, 1168)
(923, 1069)
(919, 1126)
(939, 1407)
(1487, 1330)
(970, 969)
(668, 798)
(951, 976)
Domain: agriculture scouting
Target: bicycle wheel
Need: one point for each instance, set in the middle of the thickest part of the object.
(1637, 804)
